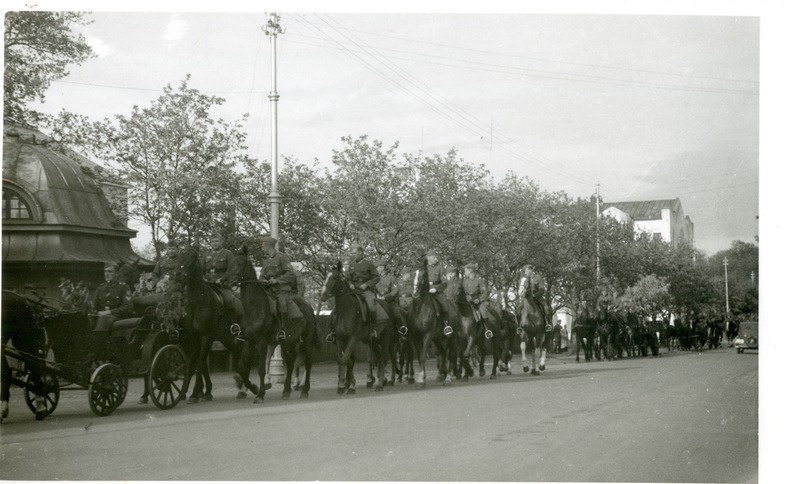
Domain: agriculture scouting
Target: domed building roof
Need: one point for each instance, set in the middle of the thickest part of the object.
(54, 208)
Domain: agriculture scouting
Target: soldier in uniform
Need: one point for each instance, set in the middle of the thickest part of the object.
(220, 264)
(437, 278)
(277, 272)
(387, 286)
(363, 277)
(405, 288)
(476, 290)
(111, 301)
(165, 268)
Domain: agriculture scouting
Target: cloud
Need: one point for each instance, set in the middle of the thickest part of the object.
(175, 30)
(99, 46)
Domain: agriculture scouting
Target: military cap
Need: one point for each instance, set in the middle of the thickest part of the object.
(269, 240)
(432, 253)
(527, 266)
(471, 266)
(110, 265)
(356, 248)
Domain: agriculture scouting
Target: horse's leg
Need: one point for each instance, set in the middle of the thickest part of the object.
(393, 346)
(5, 383)
(307, 363)
(523, 348)
(351, 374)
(495, 351)
(270, 351)
(263, 351)
(289, 359)
(370, 358)
(199, 366)
(207, 396)
(347, 356)
(482, 360)
(422, 349)
(542, 361)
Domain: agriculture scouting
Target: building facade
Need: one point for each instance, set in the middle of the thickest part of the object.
(58, 219)
(662, 219)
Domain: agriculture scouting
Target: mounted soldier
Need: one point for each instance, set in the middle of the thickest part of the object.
(363, 277)
(477, 292)
(112, 299)
(219, 264)
(437, 277)
(277, 273)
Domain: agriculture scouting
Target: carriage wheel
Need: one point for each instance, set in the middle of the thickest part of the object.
(107, 389)
(51, 394)
(168, 377)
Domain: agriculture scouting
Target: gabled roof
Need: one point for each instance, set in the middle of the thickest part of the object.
(644, 209)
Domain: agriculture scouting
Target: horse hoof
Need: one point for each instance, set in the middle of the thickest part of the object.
(40, 415)
(466, 378)
(350, 391)
(304, 395)
(286, 395)
(527, 368)
(341, 391)
(143, 400)
(241, 395)
(379, 388)
(447, 383)
(482, 372)
(439, 378)
(420, 386)
(411, 381)
(509, 373)
(492, 377)
(370, 384)
(296, 388)
(542, 367)
(238, 380)
(391, 383)
(267, 386)
(207, 398)
(536, 372)
(258, 400)
(192, 400)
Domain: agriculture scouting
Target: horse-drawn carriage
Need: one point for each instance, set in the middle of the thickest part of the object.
(53, 350)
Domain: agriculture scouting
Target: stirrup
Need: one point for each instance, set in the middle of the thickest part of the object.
(489, 334)
(403, 330)
(548, 328)
(281, 335)
(447, 330)
(373, 333)
(519, 330)
(331, 338)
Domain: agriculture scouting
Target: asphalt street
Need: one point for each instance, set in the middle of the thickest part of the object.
(680, 417)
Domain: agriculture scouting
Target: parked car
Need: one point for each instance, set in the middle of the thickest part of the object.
(747, 336)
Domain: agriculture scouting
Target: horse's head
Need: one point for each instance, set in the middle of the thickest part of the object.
(242, 268)
(334, 282)
(188, 267)
(421, 282)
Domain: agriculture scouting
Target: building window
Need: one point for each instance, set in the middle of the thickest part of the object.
(14, 207)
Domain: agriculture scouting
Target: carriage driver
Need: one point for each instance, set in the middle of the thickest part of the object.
(166, 266)
(112, 299)
(363, 277)
(476, 290)
(277, 272)
(220, 264)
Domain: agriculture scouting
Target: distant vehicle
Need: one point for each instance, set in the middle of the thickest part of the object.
(747, 336)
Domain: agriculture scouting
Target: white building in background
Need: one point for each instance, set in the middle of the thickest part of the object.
(660, 218)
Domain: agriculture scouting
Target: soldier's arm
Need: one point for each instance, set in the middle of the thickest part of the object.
(375, 276)
(286, 275)
(228, 275)
(484, 292)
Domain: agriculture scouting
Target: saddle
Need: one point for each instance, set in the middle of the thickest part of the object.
(364, 307)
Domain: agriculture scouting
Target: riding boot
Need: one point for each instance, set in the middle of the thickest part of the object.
(373, 324)
(4, 409)
(281, 333)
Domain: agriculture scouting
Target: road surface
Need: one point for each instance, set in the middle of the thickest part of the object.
(684, 417)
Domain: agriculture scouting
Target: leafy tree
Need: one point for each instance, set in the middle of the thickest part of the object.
(648, 297)
(38, 48)
(175, 158)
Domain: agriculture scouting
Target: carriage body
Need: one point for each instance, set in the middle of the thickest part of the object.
(747, 338)
(101, 360)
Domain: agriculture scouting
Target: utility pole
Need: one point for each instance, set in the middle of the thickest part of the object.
(597, 232)
(272, 29)
(726, 287)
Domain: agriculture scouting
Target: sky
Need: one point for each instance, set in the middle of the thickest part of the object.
(648, 106)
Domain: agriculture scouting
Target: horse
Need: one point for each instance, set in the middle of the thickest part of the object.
(468, 331)
(20, 325)
(259, 328)
(207, 319)
(533, 327)
(351, 327)
(497, 336)
(584, 329)
(427, 323)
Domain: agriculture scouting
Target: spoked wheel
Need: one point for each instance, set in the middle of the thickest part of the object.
(168, 377)
(50, 392)
(107, 389)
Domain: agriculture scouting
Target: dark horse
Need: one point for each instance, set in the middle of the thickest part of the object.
(496, 336)
(533, 327)
(584, 330)
(427, 322)
(20, 326)
(351, 327)
(207, 319)
(468, 332)
(260, 327)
